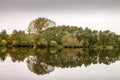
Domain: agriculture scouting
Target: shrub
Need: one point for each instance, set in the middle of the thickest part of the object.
(53, 43)
(4, 42)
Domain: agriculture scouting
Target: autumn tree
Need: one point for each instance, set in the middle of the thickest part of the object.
(39, 24)
(70, 41)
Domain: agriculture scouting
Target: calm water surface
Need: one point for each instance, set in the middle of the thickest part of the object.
(53, 64)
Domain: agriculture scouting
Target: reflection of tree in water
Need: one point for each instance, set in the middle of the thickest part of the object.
(78, 57)
(38, 67)
(44, 60)
(19, 54)
(3, 53)
(64, 58)
(109, 56)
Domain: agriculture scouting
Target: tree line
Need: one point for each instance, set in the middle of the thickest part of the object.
(43, 32)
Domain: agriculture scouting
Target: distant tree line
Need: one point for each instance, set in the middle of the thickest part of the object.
(43, 32)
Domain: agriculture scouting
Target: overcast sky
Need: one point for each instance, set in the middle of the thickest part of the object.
(95, 14)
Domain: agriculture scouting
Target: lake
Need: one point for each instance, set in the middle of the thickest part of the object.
(59, 64)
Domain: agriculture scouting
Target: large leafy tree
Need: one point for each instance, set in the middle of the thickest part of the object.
(40, 24)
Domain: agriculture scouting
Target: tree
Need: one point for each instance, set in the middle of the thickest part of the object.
(3, 34)
(3, 38)
(20, 38)
(70, 41)
(39, 24)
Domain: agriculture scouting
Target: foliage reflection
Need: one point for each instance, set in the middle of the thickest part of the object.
(43, 61)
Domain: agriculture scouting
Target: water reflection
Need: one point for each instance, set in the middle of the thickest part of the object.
(43, 61)
(38, 67)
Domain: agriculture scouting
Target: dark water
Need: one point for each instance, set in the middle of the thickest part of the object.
(54, 64)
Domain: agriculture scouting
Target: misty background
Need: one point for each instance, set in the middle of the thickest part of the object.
(94, 14)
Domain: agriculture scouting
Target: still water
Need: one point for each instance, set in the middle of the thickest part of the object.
(59, 64)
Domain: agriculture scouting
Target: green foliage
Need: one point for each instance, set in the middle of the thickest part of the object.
(3, 42)
(53, 50)
(53, 43)
(43, 42)
(3, 49)
(86, 43)
(21, 38)
(81, 43)
(15, 42)
(3, 34)
(42, 32)
(109, 47)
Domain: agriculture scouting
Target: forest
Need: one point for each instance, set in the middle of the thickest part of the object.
(43, 32)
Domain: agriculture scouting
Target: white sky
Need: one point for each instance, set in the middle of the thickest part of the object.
(94, 16)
